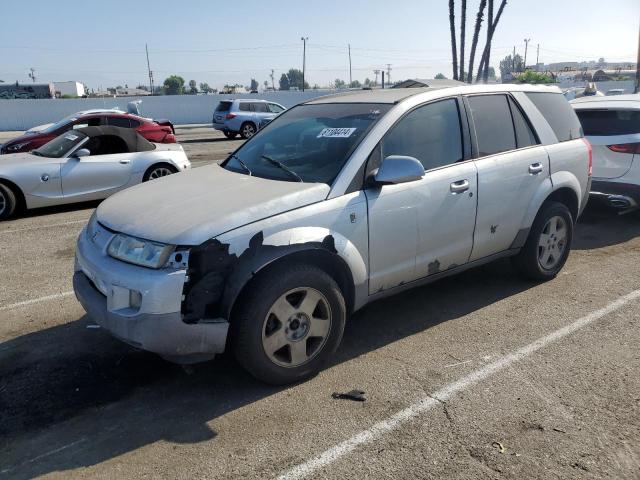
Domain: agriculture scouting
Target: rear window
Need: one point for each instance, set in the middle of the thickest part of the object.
(223, 107)
(609, 122)
(557, 111)
(119, 122)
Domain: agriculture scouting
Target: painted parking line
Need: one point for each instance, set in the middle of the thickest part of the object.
(425, 404)
(28, 229)
(25, 303)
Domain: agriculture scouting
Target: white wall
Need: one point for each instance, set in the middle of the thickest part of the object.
(180, 109)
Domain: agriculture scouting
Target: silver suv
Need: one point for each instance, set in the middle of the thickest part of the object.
(338, 202)
(244, 117)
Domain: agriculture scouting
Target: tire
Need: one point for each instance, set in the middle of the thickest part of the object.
(157, 171)
(281, 351)
(247, 130)
(230, 135)
(548, 244)
(8, 202)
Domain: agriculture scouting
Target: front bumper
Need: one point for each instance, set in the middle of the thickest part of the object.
(152, 321)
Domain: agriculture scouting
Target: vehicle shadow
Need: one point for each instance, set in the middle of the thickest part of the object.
(600, 226)
(72, 396)
(39, 212)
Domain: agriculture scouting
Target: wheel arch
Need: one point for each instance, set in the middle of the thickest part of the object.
(159, 163)
(17, 191)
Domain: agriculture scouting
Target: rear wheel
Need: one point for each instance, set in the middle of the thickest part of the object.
(157, 171)
(247, 130)
(549, 242)
(288, 324)
(7, 202)
(230, 135)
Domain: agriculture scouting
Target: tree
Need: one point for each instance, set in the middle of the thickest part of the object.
(440, 76)
(193, 89)
(254, 85)
(534, 77)
(173, 85)
(474, 42)
(266, 85)
(510, 64)
(355, 84)
(463, 23)
(295, 78)
(205, 88)
(339, 83)
(284, 82)
(452, 27)
(367, 82)
(483, 68)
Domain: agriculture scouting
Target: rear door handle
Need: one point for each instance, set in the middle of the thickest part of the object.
(459, 186)
(535, 168)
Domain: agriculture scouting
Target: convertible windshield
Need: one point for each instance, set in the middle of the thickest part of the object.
(59, 124)
(60, 146)
(308, 143)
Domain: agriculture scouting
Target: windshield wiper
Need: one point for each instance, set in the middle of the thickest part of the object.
(244, 165)
(282, 166)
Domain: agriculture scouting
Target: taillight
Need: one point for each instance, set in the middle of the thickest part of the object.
(625, 148)
(590, 150)
(230, 116)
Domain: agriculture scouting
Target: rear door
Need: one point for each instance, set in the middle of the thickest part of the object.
(615, 137)
(511, 168)
(96, 176)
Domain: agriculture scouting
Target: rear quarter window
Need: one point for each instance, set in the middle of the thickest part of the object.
(558, 113)
(244, 107)
(609, 122)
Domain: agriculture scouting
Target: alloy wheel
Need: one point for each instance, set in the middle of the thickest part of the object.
(3, 202)
(552, 242)
(159, 172)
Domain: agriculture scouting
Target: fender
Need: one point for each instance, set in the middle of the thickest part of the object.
(566, 179)
(219, 274)
(544, 190)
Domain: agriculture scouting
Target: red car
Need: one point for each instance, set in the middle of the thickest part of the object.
(154, 131)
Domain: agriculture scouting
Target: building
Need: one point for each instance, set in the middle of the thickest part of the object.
(26, 90)
(69, 89)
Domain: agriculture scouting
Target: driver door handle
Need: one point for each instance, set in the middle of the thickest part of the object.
(535, 168)
(459, 186)
(124, 162)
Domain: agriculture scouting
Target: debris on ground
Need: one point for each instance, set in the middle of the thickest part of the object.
(499, 446)
(355, 395)
(93, 326)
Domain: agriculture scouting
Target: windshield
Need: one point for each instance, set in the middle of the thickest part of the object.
(59, 146)
(59, 124)
(308, 143)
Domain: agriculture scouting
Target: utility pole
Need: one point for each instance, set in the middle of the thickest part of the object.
(383, 79)
(304, 58)
(526, 45)
(149, 69)
(637, 89)
(376, 72)
(389, 73)
(273, 85)
(537, 57)
(350, 78)
(513, 60)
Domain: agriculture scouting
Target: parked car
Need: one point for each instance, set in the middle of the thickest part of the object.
(614, 91)
(90, 163)
(340, 201)
(244, 117)
(153, 131)
(612, 126)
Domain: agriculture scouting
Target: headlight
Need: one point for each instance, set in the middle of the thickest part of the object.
(139, 252)
(17, 146)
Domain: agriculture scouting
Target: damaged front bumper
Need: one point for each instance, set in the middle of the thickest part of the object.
(141, 306)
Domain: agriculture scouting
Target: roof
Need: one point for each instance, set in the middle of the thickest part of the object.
(428, 82)
(611, 101)
(396, 95)
(99, 110)
(135, 142)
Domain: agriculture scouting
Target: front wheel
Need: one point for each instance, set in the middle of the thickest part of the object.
(247, 130)
(7, 202)
(288, 324)
(548, 244)
(158, 171)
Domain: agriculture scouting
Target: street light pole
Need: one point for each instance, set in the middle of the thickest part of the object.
(304, 58)
(526, 46)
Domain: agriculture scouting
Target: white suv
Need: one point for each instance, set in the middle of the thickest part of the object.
(612, 126)
(338, 202)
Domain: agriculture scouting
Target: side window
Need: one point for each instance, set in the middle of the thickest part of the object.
(87, 122)
(492, 120)
(524, 133)
(134, 123)
(119, 122)
(260, 107)
(557, 111)
(275, 108)
(430, 133)
(244, 106)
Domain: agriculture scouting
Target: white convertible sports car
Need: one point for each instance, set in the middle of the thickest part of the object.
(81, 165)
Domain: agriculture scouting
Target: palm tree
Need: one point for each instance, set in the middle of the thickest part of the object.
(485, 71)
(463, 21)
(483, 68)
(452, 27)
(474, 43)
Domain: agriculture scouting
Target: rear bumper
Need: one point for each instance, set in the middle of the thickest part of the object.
(616, 194)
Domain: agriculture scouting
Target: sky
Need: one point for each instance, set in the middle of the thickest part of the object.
(102, 44)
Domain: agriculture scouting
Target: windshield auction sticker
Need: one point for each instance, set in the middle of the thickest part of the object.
(336, 132)
(71, 137)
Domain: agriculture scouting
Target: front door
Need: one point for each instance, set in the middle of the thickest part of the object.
(423, 227)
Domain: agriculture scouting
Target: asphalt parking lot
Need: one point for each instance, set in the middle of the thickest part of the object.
(482, 375)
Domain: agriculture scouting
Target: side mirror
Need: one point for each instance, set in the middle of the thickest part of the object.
(399, 169)
(83, 152)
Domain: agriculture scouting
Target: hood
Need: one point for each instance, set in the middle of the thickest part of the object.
(12, 159)
(38, 129)
(191, 207)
